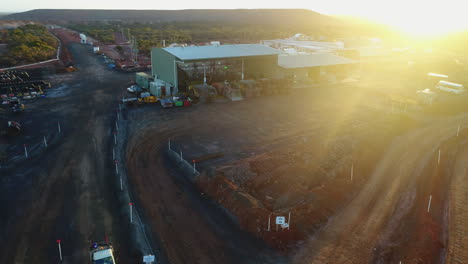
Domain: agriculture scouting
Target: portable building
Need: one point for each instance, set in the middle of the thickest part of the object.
(143, 79)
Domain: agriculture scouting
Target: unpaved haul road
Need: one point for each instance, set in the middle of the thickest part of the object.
(71, 196)
(352, 235)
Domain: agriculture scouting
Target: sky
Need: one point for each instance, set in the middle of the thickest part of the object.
(413, 16)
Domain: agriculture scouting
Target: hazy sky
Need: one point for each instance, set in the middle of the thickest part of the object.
(416, 16)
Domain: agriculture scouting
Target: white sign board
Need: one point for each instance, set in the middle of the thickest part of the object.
(280, 220)
(148, 259)
(285, 225)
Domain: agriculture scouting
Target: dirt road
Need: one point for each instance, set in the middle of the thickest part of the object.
(190, 229)
(65, 193)
(457, 250)
(359, 232)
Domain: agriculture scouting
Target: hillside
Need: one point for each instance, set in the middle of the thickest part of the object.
(250, 16)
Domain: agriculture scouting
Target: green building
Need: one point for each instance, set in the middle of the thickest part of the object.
(180, 66)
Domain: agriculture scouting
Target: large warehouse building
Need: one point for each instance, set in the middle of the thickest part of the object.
(181, 65)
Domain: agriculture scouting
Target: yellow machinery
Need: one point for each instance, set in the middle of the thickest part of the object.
(150, 99)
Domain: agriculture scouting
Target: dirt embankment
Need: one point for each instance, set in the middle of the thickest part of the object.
(310, 178)
(66, 37)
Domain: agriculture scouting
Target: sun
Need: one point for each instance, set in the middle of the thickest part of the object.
(423, 18)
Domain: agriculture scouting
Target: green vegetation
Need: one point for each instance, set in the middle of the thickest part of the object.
(198, 32)
(102, 31)
(26, 44)
(150, 35)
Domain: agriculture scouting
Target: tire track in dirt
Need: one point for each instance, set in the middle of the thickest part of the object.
(457, 249)
(71, 197)
(351, 235)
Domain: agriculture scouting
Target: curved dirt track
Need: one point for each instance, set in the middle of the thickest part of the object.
(352, 235)
(188, 227)
(457, 251)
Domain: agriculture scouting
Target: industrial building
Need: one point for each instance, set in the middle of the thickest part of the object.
(316, 67)
(179, 67)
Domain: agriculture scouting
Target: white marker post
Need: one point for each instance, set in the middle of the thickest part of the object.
(116, 167)
(269, 216)
(429, 204)
(116, 126)
(438, 158)
(121, 183)
(131, 216)
(45, 142)
(169, 144)
(115, 138)
(458, 130)
(194, 170)
(113, 153)
(289, 220)
(181, 155)
(59, 249)
(25, 151)
(58, 126)
(352, 171)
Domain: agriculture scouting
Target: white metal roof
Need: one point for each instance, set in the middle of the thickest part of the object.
(102, 254)
(312, 60)
(450, 84)
(221, 51)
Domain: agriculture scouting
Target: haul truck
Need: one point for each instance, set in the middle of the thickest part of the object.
(101, 253)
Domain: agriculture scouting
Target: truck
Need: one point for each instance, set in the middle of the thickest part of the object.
(101, 253)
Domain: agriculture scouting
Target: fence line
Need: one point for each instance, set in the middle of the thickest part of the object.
(137, 227)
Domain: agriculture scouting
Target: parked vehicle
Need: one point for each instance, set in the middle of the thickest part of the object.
(101, 253)
(134, 89)
(166, 103)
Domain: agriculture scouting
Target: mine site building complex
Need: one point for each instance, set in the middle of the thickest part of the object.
(187, 65)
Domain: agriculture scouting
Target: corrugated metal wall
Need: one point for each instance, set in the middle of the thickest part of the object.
(162, 63)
